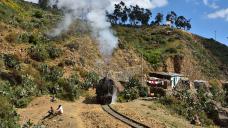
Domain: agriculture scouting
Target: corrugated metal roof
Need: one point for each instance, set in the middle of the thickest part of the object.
(169, 74)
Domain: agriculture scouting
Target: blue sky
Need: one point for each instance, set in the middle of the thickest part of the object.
(207, 16)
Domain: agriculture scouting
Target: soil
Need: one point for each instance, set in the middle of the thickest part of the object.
(84, 113)
(80, 114)
(151, 114)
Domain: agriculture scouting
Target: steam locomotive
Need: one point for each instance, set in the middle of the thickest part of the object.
(104, 91)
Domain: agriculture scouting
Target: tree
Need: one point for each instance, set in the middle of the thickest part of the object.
(43, 3)
(134, 15)
(182, 22)
(188, 25)
(146, 16)
(158, 18)
(171, 17)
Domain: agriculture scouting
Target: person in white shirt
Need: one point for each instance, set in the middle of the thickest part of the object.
(60, 110)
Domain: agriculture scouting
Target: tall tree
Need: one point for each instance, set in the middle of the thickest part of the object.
(171, 17)
(43, 3)
(146, 16)
(158, 18)
(188, 24)
(182, 22)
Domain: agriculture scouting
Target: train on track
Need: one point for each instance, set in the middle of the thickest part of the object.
(104, 91)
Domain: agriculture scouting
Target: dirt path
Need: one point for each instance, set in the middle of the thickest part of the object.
(79, 114)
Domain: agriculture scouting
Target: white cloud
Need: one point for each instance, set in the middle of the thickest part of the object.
(150, 4)
(33, 1)
(211, 4)
(223, 14)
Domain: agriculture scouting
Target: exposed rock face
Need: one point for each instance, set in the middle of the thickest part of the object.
(221, 114)
(178, 60)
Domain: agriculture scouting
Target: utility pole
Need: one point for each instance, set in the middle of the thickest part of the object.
(215, 35)
(142, 68)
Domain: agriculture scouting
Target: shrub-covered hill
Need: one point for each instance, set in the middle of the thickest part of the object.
(32, 63)
(175, 50)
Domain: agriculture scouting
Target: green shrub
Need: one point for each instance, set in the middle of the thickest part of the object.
(143, 91)
(38, 53)
(69, 62)
(55, 73)
(70, 88)
(171, 50)
(33, 39)
(54, 52)
(91, 79)
(38, 14)
(133, 90)
(24, 37)
(50, 73)
(22, 102)
(187, 105)
(8, 116)
(153, 57)
(21, 94)
(72, 46)
(11, 61)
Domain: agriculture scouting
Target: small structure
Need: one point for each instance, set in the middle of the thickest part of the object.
(174, 78)
(201, 84)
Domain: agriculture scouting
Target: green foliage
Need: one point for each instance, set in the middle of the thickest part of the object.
(69, 88)
(217, 49)
(218, 93)
(8, 116)
(50, 73)
(54, 52)
(69, 62)
(38, 53)
(154, 57)
(32, 39)
(38, 14)
(135, 15)
(24, 37)
(171, 50)
(11, 61)
(72, 46)
(133, 90)
(91, 79)
(188, 105)
(158, 18)
(19, 95)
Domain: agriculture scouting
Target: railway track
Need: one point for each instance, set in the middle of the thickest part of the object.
(123, 118)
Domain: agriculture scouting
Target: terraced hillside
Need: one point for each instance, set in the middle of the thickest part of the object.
(32, 62)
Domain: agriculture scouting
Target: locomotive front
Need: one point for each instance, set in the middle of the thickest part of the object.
(104, 91)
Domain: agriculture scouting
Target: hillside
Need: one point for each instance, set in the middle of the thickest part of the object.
(32, 62)
(174, 50)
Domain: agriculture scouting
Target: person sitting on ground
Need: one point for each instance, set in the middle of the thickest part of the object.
(59, 110)
(53, 99)
(49, 113)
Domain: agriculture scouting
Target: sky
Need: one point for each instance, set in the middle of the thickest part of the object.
(208, 17)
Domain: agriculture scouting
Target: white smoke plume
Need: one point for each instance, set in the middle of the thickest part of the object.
(94, 12)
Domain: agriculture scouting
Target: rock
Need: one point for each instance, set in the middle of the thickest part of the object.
(221, 118)
(196, 120)
(201, 84)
